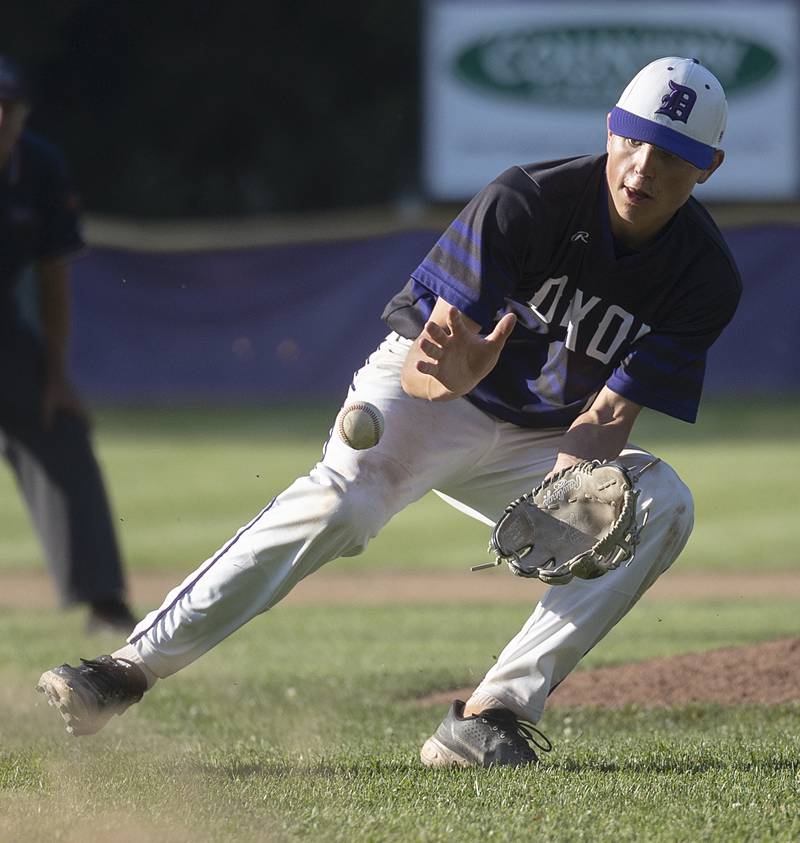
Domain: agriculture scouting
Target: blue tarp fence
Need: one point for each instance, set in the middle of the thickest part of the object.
(293, 322)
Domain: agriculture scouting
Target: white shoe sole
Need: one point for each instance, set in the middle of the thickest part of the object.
(79, 720)
(435, 754)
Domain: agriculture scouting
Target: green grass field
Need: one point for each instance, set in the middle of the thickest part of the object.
(183, 480)
(305, 725)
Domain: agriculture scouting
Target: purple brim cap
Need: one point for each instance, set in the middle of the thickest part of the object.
(629, 125)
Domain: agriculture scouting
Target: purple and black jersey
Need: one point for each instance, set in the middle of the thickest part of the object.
(537, 241)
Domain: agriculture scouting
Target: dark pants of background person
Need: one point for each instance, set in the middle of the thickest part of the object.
(58, 476)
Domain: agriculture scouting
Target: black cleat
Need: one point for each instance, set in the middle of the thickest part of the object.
(90, 695)
(490, 738)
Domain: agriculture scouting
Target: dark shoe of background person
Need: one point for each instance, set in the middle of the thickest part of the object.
(111, 615)
(493, 737)
(88, 696)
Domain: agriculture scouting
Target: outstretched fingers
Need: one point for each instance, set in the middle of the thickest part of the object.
(502, 330)
(433, 340)
(430, 348)
(427, 367)
(436, 332)
(455, 321)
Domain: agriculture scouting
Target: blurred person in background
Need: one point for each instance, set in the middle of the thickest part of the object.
(44, 427)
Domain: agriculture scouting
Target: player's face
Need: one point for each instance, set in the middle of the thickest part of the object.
(12, 121)
(646, 186)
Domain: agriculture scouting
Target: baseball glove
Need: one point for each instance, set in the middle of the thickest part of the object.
(579, 523)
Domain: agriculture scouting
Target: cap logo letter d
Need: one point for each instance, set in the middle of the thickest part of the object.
(678, 104)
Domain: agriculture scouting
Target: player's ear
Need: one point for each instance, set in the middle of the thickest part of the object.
(610, 134)
(716, 163)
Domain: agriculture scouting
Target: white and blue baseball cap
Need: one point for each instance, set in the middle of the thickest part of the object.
(676, 104)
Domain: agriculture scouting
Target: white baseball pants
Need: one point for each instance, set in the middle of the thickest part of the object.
(476, 463)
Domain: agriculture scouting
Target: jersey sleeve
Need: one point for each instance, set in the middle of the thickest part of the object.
(478, 261)
(663, 373)
(60, 234)
(664, 369)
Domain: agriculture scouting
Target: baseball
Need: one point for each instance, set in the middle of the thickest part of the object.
(360, 425)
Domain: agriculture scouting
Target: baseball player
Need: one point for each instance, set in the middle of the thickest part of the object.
(565, 297)
(43, 424)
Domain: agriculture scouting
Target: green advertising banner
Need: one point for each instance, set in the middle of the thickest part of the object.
(512, 82)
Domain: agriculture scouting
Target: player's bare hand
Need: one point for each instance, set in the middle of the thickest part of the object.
(457, 357)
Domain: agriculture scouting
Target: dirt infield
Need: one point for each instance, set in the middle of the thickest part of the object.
(766, 673)
(33, 590)
(761, 673)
